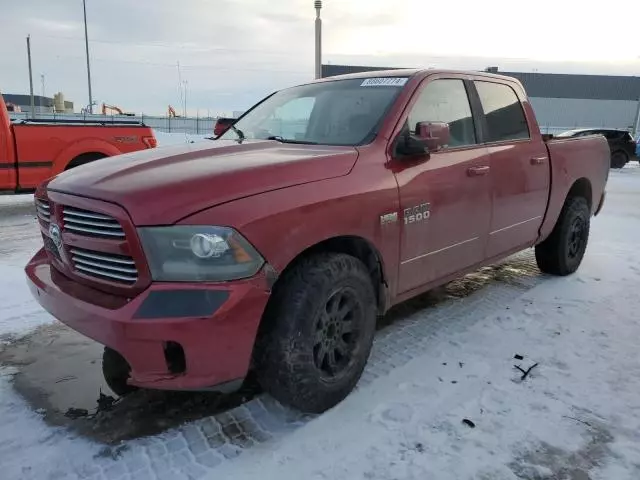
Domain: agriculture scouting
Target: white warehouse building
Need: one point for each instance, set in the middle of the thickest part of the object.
(564, 101)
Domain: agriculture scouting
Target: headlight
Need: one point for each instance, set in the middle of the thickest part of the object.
(198, 253)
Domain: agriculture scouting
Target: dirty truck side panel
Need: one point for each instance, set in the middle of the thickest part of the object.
(520, 165)
(445, 208)
(283, 223)
(573, 159)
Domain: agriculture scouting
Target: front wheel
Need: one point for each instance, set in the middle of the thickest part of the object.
(318, 334)
(618, 159)
(562, 252)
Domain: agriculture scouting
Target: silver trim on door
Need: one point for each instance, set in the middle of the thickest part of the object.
(516, 225)
(439, 251)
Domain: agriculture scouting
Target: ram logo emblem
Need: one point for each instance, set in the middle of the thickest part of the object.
(418, 213)
(388, 218)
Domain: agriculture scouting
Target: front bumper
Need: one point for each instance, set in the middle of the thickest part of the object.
(215, 324)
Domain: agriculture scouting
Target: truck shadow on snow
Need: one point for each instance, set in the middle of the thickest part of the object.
(58, 371)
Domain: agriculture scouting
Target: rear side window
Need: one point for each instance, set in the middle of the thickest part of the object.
(503, 111)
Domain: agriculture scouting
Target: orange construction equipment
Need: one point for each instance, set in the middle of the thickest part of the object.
(116, 109)
(172, 112)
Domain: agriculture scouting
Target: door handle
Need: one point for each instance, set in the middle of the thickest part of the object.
(537, 160)
(478, 171)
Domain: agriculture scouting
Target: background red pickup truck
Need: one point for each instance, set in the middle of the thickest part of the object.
(276, 246)
(32, 151)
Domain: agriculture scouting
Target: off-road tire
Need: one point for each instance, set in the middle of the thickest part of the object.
(619, 159)
(116, 370)
(561, 253)
(289, 359)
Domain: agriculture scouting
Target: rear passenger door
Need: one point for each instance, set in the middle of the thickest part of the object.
(520, 173)
(449, 188)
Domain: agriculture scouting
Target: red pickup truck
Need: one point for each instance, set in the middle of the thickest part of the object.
(274, 248)
(32, 150)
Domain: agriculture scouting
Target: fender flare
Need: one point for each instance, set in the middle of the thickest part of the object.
(88, 145)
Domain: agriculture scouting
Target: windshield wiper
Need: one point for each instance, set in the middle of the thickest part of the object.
(238, 132)
(290, 140)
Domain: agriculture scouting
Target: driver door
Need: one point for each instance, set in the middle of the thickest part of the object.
(451, 188)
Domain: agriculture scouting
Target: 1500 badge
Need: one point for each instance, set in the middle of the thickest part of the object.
(417, 214)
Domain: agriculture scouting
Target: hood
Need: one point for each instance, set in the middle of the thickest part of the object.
(163, 185)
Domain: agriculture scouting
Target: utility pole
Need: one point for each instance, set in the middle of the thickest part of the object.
(33, 103)
(86, 44)
(318, 59)
(181, 89)
(42, 94)
(185, 83)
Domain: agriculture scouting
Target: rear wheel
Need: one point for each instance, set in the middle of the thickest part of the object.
(116, 370)
(619, 159)
(562, 252)
(320, 328)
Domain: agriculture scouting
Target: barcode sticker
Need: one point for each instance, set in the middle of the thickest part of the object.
(384, 82)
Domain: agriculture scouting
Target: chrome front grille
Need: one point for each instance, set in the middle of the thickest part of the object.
(43, 210)
(84, 222)
(116, 268)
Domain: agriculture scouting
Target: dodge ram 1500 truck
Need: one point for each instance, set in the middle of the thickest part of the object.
(274, 248)
(33, 150)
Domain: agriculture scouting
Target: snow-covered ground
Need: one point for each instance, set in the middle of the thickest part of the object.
(165, 139)
(440, 399)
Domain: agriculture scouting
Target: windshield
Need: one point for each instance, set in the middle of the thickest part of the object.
(341, 112)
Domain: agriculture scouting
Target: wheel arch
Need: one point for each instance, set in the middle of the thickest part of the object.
(581, 188)
(355, 246)
(81, 147)
(84, 158)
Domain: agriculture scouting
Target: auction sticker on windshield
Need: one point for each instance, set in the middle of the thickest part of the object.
(384, 82)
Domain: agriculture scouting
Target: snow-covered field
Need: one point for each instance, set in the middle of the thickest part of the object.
(165, 139)
(440, 399)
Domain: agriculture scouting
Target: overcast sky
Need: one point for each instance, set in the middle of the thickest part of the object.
(233, 52)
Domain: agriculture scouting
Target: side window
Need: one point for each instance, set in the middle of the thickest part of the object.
(609, 135)
(503, 111)
(445, 101)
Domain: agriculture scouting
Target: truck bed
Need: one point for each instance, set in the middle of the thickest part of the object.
(574, 159)
(63, 122)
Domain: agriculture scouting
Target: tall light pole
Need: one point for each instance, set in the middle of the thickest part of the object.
(32, 102)
(86, 44)
(318, 6)
(43, 92)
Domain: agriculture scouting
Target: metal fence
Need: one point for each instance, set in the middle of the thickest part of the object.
(193, 125)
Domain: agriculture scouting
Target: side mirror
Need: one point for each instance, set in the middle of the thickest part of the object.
(435, 135)
(222, 125)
